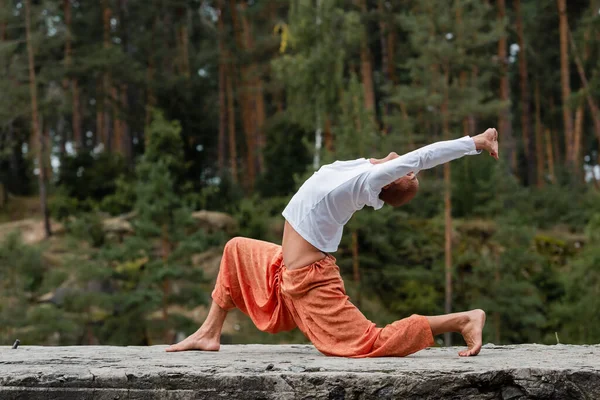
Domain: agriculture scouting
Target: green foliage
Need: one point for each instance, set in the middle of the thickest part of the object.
(132, 291)
(122, 200)
(22, 275)
(259, 218)
(88, 227)
(85, 179)
(578, 309)
(285, 156)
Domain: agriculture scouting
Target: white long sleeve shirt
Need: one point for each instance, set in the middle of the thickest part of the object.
(329, 198)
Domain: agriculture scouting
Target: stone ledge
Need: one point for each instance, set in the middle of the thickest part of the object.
(297, 372)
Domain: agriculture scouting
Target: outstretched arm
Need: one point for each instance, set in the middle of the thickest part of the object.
(432, 155)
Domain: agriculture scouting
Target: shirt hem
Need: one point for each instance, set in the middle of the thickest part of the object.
(305, 236)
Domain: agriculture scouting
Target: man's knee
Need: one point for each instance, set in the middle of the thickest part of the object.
(234, 244)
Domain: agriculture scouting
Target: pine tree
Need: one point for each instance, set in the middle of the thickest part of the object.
(449, 45)
(504, 117)
(146, 282)
(35, 123)
(566, 82)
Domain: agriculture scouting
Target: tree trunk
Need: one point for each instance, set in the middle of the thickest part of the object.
(246, 101)
(117, 137)
(125, 143)
(182, 40)
(356, 266)
(166, 283)
(76, 119)
(366, 67)
(150, 96)
(47, 151)
(4, 195)
(528, 140)
(472, 117)
(504, 123)
(2, 24)
(106, 79)
(72, 83)
(391, 52)
(35, 121)
(577, 133)
(100, 112)
(549, 155)
(231, 124)
(539, 149)
(222, 99)
(385, 60)
(565, 82)
(255, 96)
(65, 82)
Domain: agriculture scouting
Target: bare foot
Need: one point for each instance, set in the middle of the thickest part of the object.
(472, 332)
(488, 141)
(196, 341)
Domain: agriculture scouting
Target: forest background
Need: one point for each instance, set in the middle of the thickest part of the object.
(136, 137)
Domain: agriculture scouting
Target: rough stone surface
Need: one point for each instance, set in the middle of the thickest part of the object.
(297, 372)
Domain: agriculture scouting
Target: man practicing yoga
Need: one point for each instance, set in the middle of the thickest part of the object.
(298, 284)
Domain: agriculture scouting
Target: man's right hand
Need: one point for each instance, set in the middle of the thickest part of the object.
(487, 141)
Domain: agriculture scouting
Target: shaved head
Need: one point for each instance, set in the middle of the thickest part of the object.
(401, 191)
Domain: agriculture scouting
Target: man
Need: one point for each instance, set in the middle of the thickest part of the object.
(299, 285)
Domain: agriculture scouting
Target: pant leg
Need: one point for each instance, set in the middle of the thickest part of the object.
(249, 279)
(316, 297)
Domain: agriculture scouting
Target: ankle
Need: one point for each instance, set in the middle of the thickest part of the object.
(463, 320)
(208, 332)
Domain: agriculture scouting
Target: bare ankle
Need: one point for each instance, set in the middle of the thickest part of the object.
(209, 332)
(463, 320)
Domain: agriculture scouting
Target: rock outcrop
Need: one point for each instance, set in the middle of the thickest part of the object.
(297, 372)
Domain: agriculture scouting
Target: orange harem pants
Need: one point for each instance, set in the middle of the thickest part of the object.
(313, 298)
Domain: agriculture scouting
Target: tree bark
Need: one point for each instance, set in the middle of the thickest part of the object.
(182, 40)
(504, 123)
(385, 60)
(117, 138)
(256, 96)
(42, 180)
(125, 143)
(150, 96)
(366, 67)
(539, 150)
(166, 283)
(76, 118)
(2, 24)
(248, 121)
(565, 82)
(106, 79)
(100, 111)
(222, 90)
(577, 133)
(72, 83)
(231, 124)
(549, 155)
(4, 195)
(528, 140)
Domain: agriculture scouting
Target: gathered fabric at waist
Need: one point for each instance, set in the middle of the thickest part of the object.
(299, 281)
